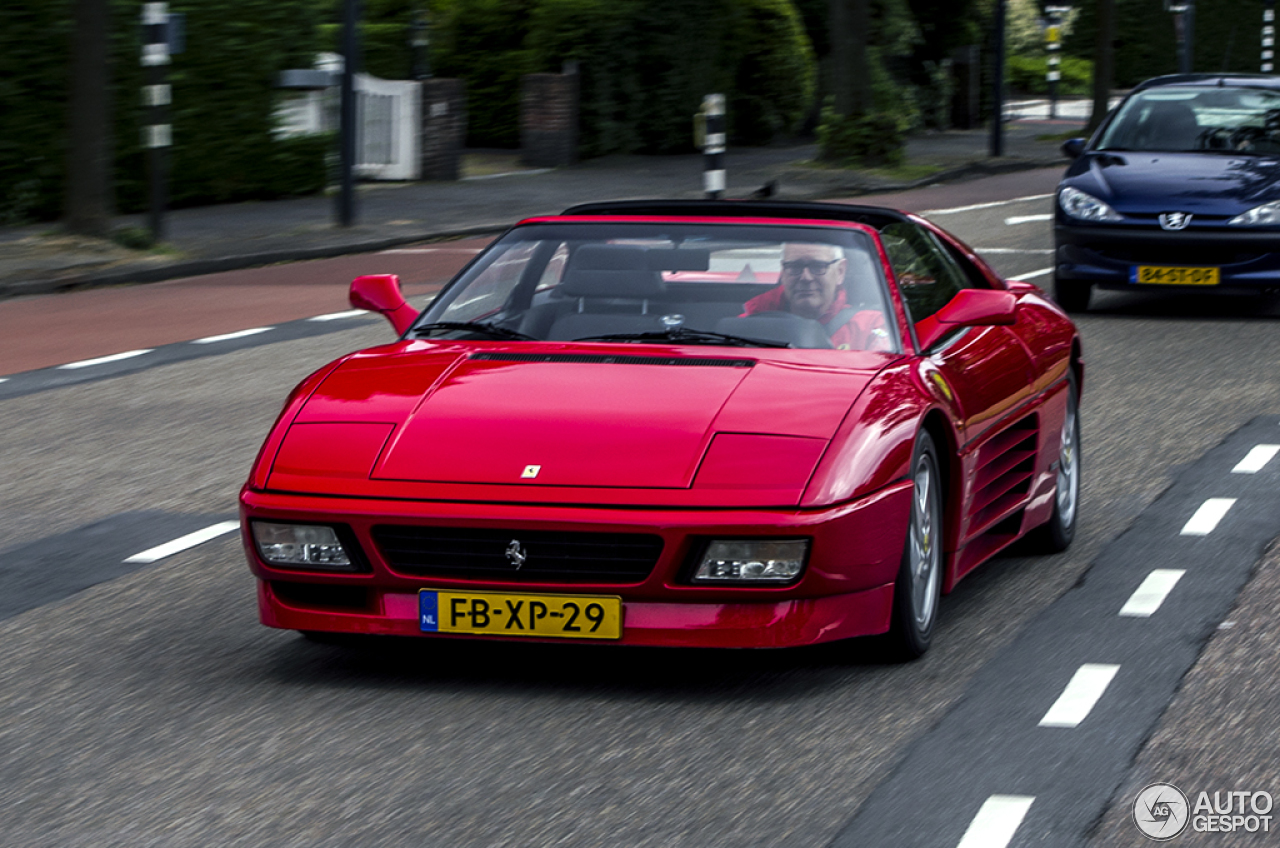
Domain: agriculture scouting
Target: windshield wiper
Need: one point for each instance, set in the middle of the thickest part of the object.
(685, 335)
(474, 327)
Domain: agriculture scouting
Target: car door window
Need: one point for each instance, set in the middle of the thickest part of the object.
(927, 276)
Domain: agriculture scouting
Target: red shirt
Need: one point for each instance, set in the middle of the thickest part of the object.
(865, 329)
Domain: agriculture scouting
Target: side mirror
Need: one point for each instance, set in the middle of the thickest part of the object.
(969, 308)
(381, 293)
(1073, 148)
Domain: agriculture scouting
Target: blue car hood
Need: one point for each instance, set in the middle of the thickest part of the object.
(1202, 183)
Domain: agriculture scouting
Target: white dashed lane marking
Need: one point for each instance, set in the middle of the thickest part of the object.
(1026, 219)
(1256, 459)
(103, 360)
(997, 821)
(1082, 693)
(190, 540)
(1148, 597)
(993, 205)
(238, 334)
(1031, 275)
(1016, 251)
(335, 316)
(1207, 516)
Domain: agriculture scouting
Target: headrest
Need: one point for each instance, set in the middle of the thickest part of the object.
(609, 257)
(635, 284)
(626, 257)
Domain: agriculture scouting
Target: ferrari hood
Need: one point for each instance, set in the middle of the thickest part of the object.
(1202, 183)
(573, 419)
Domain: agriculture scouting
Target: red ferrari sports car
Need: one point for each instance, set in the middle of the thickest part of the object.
(698, 423)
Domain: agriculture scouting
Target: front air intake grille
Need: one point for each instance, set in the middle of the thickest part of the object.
(600, 359)
(518, 556)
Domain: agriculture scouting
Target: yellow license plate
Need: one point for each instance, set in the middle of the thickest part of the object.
(1171, 275)
(520, 614)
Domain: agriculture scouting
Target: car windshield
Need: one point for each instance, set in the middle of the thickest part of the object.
(686, 282)
(1183, 119)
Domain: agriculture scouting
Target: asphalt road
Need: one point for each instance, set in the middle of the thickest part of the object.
(142, 704)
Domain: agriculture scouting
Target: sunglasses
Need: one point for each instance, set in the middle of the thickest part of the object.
(816, 267)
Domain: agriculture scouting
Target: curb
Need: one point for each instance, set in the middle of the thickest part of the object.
(198, 267)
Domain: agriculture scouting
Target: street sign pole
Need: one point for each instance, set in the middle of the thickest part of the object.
(347, 120)
(997, 84)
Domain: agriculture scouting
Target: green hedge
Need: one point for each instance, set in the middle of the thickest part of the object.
(1027, 75)
(384, 47)
(222, 112)
(1227, 38)
(645, 66)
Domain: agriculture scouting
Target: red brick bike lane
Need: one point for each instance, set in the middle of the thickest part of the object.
(48, 330)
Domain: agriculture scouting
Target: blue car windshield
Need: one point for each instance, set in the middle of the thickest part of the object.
(1175, 119)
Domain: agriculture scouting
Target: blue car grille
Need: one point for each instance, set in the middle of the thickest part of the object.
(1173, 254)
(544, 556)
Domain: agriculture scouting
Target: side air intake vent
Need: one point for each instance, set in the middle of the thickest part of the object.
(1003, 477)
(601, 359)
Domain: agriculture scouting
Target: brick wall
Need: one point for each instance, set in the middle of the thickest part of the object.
(444, 128)
(549, 119)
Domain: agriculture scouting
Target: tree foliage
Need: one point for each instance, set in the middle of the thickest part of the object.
(645, 66)
(1227, 38)
(222, 110)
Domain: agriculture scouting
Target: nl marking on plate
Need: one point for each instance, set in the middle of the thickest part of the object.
(520, 614)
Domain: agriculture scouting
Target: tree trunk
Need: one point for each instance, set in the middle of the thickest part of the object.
(850, 22)
(87, 206)
(1103, 63)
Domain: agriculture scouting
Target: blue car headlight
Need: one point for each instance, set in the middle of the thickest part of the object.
(1086, 207)
(1268, 214)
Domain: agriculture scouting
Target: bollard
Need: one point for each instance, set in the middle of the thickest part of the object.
(713, 148)
(1053, 42)
(1268, 36)
(157, 133)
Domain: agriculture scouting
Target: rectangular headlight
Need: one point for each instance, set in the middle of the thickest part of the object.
(310, 546)
(743, 560)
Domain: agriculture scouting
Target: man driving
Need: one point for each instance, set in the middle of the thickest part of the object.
(812, 286)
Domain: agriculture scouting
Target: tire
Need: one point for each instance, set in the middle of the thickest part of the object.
(1055, 535)
(918, 589)
(1072, 295)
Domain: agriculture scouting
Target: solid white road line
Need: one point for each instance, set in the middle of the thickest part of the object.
(1026, 219)
(432, 250)
(997, 821)
(992, 205)
(102, 360)
(226, 337)
(1148, 597)
(1077, 700)
(188, 541)
(1032, 274)
(1256, 459)
(1207, 516)
(334, 316)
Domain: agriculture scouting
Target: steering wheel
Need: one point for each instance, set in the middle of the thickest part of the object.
(1215, 138)
(779, 314)
(1245, 137)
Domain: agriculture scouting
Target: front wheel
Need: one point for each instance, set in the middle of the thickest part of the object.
(918, 589)
(1072, 295)
(1056, 534)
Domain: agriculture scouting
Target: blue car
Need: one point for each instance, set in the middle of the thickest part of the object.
(1178, 189)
